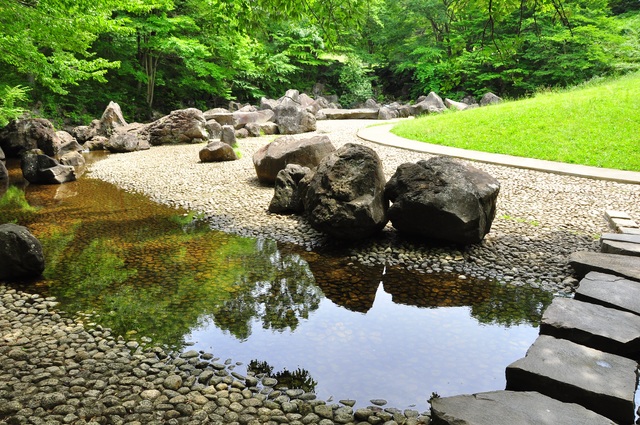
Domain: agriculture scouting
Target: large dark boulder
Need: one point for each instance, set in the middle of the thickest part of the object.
(20, 253)
(39, 168)
(23, 135)
(181, 126)
(345, 197)
(287, 197)
(443, 199)
(217, 152)
(275, 156)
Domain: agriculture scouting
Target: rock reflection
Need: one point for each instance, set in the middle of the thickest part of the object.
(354, 287)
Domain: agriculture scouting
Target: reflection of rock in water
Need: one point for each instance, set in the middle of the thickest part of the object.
(352, 286)
(65, 191)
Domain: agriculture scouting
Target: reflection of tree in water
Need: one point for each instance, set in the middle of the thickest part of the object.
(510, 305)
(276, 289)
(298, 379)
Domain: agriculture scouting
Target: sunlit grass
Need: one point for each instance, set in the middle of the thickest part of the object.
(596, 124)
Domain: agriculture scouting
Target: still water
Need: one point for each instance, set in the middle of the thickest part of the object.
(314, 320)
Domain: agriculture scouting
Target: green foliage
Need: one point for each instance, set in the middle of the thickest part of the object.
(12, 100)
(355, 82)
(14, 207)
(595, 124)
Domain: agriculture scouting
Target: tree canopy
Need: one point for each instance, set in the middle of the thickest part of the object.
(72, 57)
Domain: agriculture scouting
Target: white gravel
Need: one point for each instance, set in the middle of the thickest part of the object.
(541, 218)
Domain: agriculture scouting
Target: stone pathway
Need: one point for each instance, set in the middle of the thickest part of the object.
(586, 354)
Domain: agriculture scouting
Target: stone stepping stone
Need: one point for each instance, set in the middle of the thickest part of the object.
(596, 326)
(584, 262)
(573, 373)
(620, 237)
(610, 291)
(510, 408)
(622, 248)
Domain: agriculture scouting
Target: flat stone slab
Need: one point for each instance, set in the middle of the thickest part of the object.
(595, 326)
(629, 230)
(622, 248)
(602, 382)
(350, 114)
(610, 291)
(620, 237)
(510, 408)
(584, 262)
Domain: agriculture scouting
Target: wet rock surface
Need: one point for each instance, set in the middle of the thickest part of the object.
(56, 370)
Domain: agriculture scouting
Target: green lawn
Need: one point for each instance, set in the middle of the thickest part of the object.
(596, 124)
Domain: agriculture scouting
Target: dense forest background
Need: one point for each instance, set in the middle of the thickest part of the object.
(66, 59)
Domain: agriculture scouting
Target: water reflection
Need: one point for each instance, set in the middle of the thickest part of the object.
(311, 320)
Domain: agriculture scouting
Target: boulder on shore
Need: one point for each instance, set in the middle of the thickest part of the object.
(217, 152)
(181, 126)
(39, 168)
(287, 197)
(20, 253)
(26, 134)
(444, 199)
(345, 197)
(275, 156)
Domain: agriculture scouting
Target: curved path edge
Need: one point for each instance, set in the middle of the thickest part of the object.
(381, 134)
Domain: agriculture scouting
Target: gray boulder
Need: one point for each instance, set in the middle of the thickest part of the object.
(490, 99)
(345, 197)
(74, 159)
(217, 152)
(267, 104)
(97, 143)
(2, 156)
(228, 135)
(130, 141)
(431, 104)
(387, 113)
(458, 106)
(111, 119)
(214, 129)
(443, 199)
(269, 128)
(292, 117)
(181, 126)
(287, 197)
(254, 129)
(39, 168)
(68, 144)
(242, 133)
(275, 156)
(23, 135)
(84, 133)
(220, 115)
(242, 118)
(20, 253)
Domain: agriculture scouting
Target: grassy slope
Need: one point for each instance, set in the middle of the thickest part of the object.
(597, 124)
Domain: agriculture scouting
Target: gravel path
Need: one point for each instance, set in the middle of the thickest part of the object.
(541, 218)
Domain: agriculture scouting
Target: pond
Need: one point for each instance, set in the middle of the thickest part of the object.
(314, 320)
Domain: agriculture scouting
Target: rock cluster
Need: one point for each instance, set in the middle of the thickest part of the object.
(56, 370)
